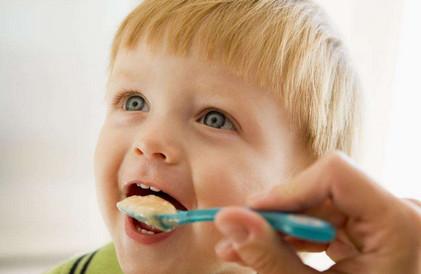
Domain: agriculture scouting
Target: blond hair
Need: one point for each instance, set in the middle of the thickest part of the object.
(286, 46)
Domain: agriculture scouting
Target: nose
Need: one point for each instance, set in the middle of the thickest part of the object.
(157, 145)
(141, 151)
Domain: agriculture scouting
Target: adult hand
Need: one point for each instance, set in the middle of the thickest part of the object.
(377, 233)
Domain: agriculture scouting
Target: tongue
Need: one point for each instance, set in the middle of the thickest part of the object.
(145, 226)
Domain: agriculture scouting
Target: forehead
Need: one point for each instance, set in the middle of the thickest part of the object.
(144, 64)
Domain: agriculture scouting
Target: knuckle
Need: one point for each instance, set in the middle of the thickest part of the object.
(407, 220)
(333, 164)
(335, 159)
(412, 212)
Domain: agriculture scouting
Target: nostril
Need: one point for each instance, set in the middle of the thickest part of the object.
(159, 155)
(138, 152)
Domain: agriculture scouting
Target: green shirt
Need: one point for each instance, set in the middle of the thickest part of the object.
(101, 261)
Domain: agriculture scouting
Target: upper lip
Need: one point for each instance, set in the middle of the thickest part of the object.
(164, 187)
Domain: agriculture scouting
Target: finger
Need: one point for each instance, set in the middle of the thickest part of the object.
(342, 248)
(305, 246)
(339, 251)
(413, 203)
(327, 211)
(255, 243)
(333, 177)
(225, 251)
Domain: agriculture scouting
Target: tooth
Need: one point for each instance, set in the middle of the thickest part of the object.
(143, 186)
(155, 189)
(144, 231)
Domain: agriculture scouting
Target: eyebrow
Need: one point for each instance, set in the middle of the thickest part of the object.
(126, 75)
(121, 75)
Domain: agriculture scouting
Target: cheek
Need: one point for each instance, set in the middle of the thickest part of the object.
(229, 179)
(110, 151)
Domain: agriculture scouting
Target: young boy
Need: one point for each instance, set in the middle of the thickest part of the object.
(209, 102)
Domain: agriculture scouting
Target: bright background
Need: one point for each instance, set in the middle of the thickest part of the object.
(53, 58)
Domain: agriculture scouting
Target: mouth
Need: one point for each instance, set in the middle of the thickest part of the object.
(140, 189)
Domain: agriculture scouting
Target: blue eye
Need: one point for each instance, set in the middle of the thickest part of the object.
(217, 120)
(134, 103)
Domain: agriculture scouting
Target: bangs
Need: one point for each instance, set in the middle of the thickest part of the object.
(252, 38)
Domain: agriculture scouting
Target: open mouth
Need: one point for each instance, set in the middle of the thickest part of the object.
(143, 190)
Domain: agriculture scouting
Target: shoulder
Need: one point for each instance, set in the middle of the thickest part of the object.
(100, 261)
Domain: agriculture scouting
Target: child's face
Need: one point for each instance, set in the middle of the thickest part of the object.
(198, 133)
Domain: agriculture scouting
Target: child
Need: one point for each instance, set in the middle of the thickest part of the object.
(210, 101)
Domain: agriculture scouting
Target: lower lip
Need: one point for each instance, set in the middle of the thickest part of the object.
(141, 238)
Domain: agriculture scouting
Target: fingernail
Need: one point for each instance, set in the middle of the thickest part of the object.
(223, 246)
(235, 233)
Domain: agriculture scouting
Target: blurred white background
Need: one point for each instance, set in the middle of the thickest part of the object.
(53, 59)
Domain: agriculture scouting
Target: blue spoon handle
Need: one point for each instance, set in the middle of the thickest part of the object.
(296, 225)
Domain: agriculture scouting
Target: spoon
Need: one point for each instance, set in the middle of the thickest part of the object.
(296, 225)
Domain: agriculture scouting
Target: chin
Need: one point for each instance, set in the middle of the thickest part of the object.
(165, 265)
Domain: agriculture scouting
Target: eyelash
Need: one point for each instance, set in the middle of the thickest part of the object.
(228, 117)
(117, 101)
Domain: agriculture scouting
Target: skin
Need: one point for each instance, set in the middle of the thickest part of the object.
(169, 142)
(377, 233)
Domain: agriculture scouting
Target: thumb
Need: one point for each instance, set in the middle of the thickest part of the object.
(250, 241)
